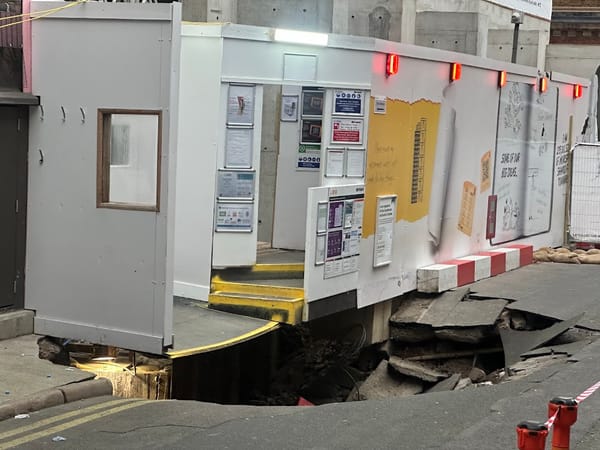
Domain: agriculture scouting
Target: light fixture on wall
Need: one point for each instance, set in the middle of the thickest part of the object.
(543, 84)
(516, 19)
(391, 64)
(455, 71)
(577, 91)
(502, 78)
(300, 37)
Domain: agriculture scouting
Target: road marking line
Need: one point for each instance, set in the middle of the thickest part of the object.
(51, 420)
(72, 424)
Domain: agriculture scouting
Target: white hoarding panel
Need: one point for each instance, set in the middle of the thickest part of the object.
(236, 221)
(333, 234)
(96, 270)
(524, 161)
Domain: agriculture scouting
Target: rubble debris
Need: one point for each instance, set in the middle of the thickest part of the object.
(497, 376)
(381, 384)
(462, 384)
(52, 349)
(445, 385)
(477, 375)
(457, 354)
(516, 342)
(416, 370)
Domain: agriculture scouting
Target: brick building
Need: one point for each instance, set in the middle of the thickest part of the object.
(575, 22)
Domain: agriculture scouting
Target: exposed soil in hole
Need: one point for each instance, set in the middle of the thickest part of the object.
(323, 370)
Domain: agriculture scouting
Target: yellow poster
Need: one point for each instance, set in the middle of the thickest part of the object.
(400, 157)
(467, 208)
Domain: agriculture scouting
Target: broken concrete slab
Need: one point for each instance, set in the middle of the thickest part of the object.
(411, 332)
(443, 305)
(516, 342)
(416, 370)
(446, 316)
(547, 289)
(468, 335)
(381, 384)
(411, 310)
(405, 325)
(562, 349)
(445, 385)
(532, 368)
(471, 321)
(473, 313)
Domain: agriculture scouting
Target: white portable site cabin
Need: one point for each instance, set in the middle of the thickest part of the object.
(150, 179)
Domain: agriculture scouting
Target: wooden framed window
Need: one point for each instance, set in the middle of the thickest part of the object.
(129, 151)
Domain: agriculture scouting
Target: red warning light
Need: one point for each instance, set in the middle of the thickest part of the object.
(455, 71)
(502, 78)
(543, 84)
(577, 90)
(391, 65)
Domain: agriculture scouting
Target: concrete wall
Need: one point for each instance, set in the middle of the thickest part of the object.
(376, 18)
(463, 26)
(457, 31)
(580, 60)
(313, 15)
(194, 10)
(500, 46)
(268, 162)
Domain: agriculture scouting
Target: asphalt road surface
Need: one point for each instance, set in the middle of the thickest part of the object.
(475, 418)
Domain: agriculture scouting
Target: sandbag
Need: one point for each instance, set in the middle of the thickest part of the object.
(590, 259)
(565, 258)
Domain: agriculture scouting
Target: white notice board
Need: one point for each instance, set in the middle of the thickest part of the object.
(384, 230)
(238, 147)
(240, 105)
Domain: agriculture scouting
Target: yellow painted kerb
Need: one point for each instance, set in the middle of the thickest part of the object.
(271, 326)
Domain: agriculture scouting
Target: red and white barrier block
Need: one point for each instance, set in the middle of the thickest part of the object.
(468, 269)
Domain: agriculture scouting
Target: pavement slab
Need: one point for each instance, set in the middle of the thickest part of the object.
(22, 373)
(516, 342)
(558, 291)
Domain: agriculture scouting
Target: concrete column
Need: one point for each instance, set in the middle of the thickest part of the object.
(409, 18)
(339, 17)
(381, 315)
(543, 42)
(221, 11)
(482, 34)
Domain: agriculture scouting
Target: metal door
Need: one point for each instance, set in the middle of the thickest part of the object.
(11, 153)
